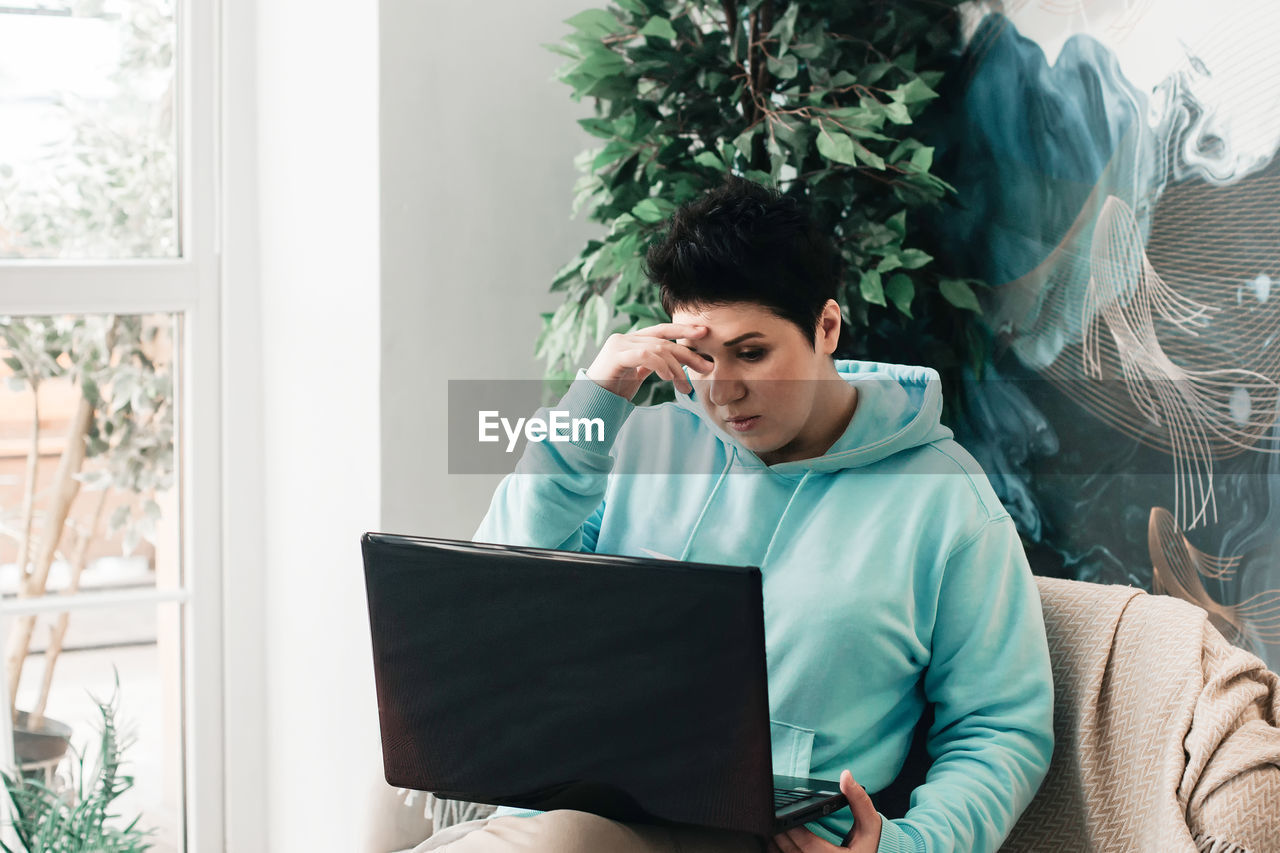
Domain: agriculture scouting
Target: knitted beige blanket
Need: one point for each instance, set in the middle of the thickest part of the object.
(1167, 736)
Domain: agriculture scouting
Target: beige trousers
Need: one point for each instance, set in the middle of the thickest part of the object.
(567, 831)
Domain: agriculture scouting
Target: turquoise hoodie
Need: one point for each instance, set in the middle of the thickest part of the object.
(892, 575)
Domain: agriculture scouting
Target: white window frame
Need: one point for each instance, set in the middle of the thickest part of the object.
(190, 285)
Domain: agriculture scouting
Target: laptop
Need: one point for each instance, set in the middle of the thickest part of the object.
(629, 687)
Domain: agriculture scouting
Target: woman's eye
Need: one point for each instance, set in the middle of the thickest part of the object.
(751, 354)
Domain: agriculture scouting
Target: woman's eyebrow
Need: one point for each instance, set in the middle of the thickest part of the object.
(739, 339)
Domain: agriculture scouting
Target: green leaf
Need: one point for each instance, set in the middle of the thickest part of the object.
(652, 210)
(897, 113)
(871, 73)
(622, 223)
(599, 64)
(795, 134)
(631, 282)
(640, 310)
(611, 153)
(913, 92)
(898, 223)
(596, 23)
(900, 291)
(712, 79)
(635, 7)
(913, 259)
(871, 287)
(601, 127)
(889, 263)
(864, 133)
(659, 27)
(607, 263)
(776, 157)
(601, 313)
(562, 49)
(811, 48)
(866, 155)
(590, 257)
(905, 147)
(540, 345)
(576, 334)
(743, 141)
(922, 158)
(958, 293)
(836, 146)
(785, 28)
(706, 158)
(784, 68)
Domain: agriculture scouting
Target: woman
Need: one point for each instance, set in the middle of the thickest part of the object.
(892, 576)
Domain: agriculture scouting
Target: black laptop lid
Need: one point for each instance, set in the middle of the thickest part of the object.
(630, 687)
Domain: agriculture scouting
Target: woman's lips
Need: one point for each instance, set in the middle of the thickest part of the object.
(743, 424)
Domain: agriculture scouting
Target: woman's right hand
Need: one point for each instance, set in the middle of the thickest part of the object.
(626, 359)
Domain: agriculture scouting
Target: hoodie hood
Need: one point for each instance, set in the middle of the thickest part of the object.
(898, 408)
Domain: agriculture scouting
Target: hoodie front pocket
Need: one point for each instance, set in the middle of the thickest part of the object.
(792, 748)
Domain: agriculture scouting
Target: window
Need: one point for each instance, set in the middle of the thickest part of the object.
(87, 159)
(109, 400)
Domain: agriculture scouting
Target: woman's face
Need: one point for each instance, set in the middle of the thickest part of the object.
(766, 383)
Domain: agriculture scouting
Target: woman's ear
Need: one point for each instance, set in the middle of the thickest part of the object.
(828, 332)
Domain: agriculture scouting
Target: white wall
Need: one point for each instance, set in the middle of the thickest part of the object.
(478, 141)
(412, 166)
(317, 132)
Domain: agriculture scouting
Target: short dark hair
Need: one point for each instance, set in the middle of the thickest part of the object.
(742, 242)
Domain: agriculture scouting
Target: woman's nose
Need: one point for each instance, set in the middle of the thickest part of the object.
(723, 390)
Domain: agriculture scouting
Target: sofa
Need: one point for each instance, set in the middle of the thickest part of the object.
(1167, 738)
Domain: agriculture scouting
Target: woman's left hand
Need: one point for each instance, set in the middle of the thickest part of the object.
(866, 826)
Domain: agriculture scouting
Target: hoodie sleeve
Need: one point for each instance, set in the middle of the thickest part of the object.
(991, 683)
(555, 496)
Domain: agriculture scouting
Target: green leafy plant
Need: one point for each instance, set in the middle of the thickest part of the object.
(48, 821)
(816, 99)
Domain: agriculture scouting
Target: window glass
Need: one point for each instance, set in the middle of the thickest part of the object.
(88, 148)
(104, 385)
(88, 505)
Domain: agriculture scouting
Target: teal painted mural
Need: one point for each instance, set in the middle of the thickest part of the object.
(1118, 187)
